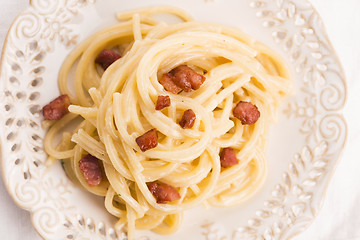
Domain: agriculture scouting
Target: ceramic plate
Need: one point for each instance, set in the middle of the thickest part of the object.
(304, 144)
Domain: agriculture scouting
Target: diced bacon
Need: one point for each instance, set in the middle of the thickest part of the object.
(163, 193)
(57, 108)
(106, 58)
(246, 112)
(162, 102)
(228, 157)
(148, 140)
(181, 78)
(188, 119)
(196, 81)
(169, 84)
(89, 166)
(187, 78)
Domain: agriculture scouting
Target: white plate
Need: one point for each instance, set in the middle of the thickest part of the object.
(304, 145)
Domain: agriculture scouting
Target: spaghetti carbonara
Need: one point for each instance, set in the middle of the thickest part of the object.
(166, 116)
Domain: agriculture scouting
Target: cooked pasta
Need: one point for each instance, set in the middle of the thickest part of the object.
(111, 108)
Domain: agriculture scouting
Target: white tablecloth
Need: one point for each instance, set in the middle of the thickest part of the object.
(339, 218)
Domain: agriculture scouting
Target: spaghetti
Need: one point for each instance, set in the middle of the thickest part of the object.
(113, 108)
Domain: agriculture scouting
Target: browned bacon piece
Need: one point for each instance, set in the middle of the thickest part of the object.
(148, 140)
(57, 108)
(228, 157)
(107, 57)
(89, 166)
(163, 192)
(188, 119)
(246, 112)
(169, 84)
(162, 102)
(187, 78)
(181, 78)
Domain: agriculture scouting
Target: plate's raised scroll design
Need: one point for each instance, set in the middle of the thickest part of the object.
(293, 204)
(32, 37)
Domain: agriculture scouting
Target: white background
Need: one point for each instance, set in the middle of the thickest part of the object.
(339, 218)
